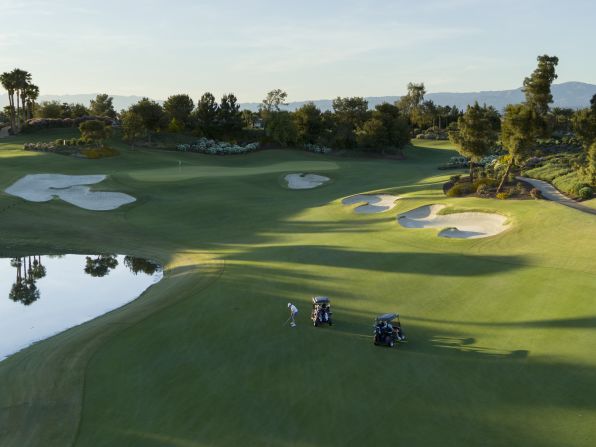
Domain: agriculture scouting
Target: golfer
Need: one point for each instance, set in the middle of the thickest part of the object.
(293, 311)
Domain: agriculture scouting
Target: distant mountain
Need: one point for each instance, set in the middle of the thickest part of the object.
(120, 102)
(568, 94)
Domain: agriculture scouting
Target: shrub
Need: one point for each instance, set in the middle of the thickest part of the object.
(483, 190)
(520, 188)
(578, 187)
(503, 195)
(535, 193)
(454, 178)
(460, 189)
(206, 146)
(95, 153)
(586, 193)
(317, 148)
(485, 181)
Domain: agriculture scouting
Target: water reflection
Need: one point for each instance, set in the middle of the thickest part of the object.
(48, 294)
(100, 265)
(30, 268)
(24, 289)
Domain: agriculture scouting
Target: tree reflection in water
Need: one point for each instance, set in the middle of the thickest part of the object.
(137, 265)
(28, 271)
(100, 265)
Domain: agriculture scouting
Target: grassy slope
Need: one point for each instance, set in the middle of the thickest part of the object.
(502, 329)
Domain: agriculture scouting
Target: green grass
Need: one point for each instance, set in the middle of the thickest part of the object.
(502, 329)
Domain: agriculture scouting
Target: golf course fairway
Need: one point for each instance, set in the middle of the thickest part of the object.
(502, 329)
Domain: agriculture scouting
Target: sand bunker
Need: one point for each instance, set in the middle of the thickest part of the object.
(465, 225)
(70, 188)
(305, 181)
(373, 203)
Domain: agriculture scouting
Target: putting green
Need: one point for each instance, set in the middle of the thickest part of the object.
(502, 329)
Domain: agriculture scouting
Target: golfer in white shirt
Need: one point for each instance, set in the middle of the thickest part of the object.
(293, 311)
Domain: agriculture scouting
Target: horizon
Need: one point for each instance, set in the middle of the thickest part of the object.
(310, 51)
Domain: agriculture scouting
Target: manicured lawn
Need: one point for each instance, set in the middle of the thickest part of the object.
(502, 329)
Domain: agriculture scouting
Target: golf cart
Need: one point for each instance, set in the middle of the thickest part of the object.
(321, 311)
(388, 330)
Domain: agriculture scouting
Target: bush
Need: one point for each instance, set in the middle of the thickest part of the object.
(503, 195)
(485, 181)
(535, 193)
(586, 193)
(520, 189)
(460, 189)
(454, 178)
(578, 187)
(317, 148)
(206, 146)
(95, 153)
(483, 190)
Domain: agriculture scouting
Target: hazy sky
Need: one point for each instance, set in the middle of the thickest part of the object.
(311, 49)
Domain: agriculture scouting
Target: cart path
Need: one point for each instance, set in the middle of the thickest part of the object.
(551, 193)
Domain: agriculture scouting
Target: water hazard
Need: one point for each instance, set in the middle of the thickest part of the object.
(43, 295)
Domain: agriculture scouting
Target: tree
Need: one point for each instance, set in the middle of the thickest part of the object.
(412, 99)
(309, 124)
(7, 80)
(21, 80)
(273, 101)
(475, 135)
(537, 85)
(30, 95)
(519, 129)
(133, 128)
(249, 118)
(102, 105)
(350, 114)
(387, 129)
(592, 163)
(228, 115)
(94, 131)
(152, 114)
(179, 108)
(49, 109)
(206, 114)
(584, 126)
(280, 128)
(78, 110)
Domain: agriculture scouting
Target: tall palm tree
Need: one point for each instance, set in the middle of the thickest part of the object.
(30, 95)
(21, 79)
(7, 80)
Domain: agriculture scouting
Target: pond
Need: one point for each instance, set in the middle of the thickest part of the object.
(41, 295)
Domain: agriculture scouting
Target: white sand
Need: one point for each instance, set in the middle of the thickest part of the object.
(305, 181)
(373, 203)
(43, 187)
(465, 225)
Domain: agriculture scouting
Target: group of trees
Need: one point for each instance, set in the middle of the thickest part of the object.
(178, 113)
(102, 105)
(22, 94)
(350, 125)
(476, 132)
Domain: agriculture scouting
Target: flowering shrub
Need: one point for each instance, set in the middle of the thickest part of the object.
(317, 148)
(75, 147)
(206, 146)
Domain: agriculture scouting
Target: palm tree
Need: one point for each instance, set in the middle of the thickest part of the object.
(21, 79)
(7, 80)
(30, 95)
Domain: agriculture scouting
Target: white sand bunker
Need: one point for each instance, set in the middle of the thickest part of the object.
(305, 181)
(43, 187)
(373, 203)
(465, 225)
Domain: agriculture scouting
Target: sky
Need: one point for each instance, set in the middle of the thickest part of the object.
(311, 49)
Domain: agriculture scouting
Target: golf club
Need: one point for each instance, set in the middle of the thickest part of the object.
(286, 322)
